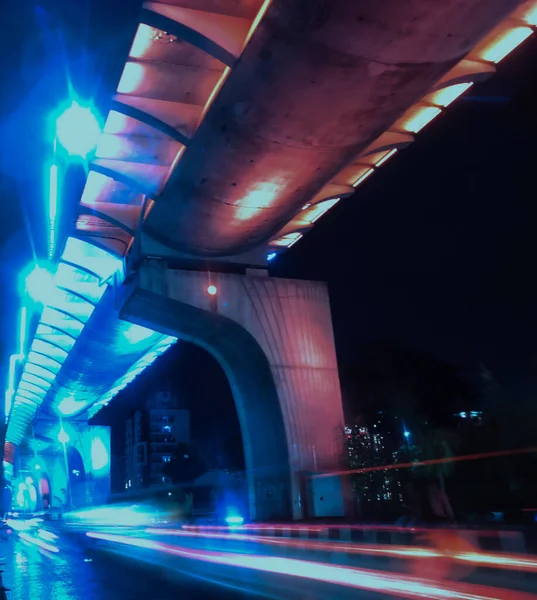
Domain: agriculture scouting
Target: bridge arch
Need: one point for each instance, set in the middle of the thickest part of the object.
(273, 339)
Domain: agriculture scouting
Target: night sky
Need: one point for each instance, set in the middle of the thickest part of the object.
(436, 251)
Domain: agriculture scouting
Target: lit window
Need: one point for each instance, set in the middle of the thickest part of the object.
(166, 459)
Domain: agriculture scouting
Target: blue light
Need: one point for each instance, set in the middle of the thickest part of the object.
(70, 406)
(38, 284)
(96, 260)
(63, 436)
(271, 256)
(52, 208)
(136, 333)
(406, 433)
(234, 520)
(78, 130)
(100, 457)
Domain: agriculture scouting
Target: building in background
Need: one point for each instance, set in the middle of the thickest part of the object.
(376, 492)
(151, 436)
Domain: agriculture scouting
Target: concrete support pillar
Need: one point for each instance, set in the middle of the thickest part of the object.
(274, 339)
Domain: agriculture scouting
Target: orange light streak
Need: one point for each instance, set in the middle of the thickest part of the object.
(434, 461)
(351, 577)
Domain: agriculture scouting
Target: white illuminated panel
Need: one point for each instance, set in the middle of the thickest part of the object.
(287, 240)
(419, 118)
(363, 177)
(447, 95)
(505, 44)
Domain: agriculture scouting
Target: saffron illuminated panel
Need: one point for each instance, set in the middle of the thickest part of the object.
(505, 44)
(317, 211)
(531, 16)
(420, 117)
(287, 240)
(447, 95)
(363, 177)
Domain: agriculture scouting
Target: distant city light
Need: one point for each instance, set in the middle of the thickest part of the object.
(211, 290)
(77, 130)
(271, 256)
(234, 520)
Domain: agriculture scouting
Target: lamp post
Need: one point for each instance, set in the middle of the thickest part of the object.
(63, 438)
(76, 130)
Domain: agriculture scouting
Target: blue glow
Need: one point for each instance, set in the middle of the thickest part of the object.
(70, 406)
(271, 256)
(39, 372)
(100, 457)
(63, 436)
(39, 286)
(52, 209)
(234, 520)
(96, 260)
(156, 350)
(406, 433)
(78, 129)
(136, 333)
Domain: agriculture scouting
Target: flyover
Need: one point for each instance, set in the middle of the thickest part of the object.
(235, 127)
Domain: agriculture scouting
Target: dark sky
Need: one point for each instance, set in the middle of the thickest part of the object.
(438, 250)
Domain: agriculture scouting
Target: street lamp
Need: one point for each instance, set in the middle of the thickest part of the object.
(77, 130)
(39, 285)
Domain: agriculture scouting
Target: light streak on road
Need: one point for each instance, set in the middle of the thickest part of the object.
(433, 461)
(386, 550)
(38, 542)
(507, 561)
(378, 581)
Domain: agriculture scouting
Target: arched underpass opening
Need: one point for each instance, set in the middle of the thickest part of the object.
(253, 389)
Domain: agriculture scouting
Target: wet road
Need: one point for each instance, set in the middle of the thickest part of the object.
(122, 564)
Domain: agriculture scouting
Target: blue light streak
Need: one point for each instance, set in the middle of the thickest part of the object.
(53, 194)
